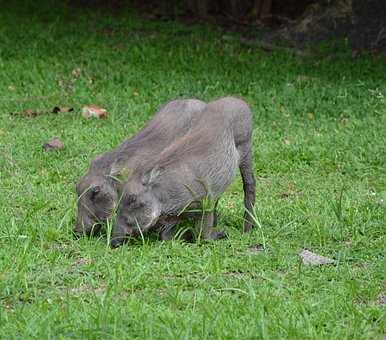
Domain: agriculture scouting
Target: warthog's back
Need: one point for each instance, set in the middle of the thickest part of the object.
(171, 122)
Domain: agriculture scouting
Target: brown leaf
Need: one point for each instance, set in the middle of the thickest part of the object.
(53, 144)
(311, 115)
(286, 142)
(76, 72)
(94, 111)
(62, 109)
(256, 248)
(312, 259)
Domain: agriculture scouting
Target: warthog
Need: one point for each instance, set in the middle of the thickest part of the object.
(195, 168)
(98, 191)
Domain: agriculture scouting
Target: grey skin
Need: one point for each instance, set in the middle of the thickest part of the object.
(99, 190)
(201, 164)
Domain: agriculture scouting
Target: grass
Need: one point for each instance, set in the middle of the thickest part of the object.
(320, 159)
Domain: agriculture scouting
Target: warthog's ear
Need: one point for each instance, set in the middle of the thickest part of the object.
(149, 177)
(120, 174)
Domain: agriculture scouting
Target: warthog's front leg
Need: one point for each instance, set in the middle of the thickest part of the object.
(204, 227)
(167, 229)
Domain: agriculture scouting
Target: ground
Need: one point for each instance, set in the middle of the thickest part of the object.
(319, 157)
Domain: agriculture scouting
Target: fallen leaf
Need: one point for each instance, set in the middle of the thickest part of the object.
(76, 72)
(230, 205)
(135, 93)
(12, 88)
(312, 259)
(94, 111)
(311, 115)
(53, 144)
(286, 142)
(256, 248)
(62, 109)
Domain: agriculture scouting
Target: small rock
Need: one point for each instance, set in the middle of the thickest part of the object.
(94, 111)
(53, 144)
(312, 259)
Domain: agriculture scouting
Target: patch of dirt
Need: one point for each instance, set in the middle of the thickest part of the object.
(312, 259)
(82, 262)
(87, 289)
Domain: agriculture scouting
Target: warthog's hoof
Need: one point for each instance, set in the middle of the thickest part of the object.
(117, 242)
(218, 235)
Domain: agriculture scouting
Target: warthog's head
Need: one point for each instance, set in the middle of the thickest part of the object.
(139, 208)
(97, 199)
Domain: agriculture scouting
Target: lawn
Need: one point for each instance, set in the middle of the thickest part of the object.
(320, 164)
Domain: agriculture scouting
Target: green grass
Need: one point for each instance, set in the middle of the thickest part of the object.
(320, 162)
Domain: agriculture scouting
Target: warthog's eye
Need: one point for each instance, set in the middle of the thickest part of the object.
(94, 191)
(131, 198)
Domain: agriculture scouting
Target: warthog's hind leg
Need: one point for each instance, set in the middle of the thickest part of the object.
(249, 184)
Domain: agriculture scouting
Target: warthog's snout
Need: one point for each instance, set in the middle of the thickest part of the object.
(85, 227)
(122, 232)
